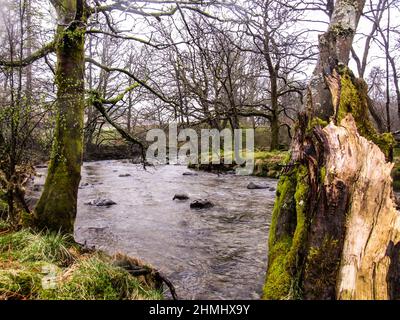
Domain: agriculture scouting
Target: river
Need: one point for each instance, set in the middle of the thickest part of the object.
(215, 253)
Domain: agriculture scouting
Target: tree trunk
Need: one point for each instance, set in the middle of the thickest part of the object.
(334, 47)
(335, 232)
(274, 123)
(56, 209)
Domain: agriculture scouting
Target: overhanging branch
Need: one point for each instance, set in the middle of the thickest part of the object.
(131, 75)
(40, 53)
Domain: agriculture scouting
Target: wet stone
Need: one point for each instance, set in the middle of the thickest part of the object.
(201, 204)
(190, 173)
(253, 185)
(181, 196)
(100, 202)
(124, 175)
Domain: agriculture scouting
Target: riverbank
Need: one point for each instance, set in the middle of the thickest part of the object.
(52, 266)
(267, 164)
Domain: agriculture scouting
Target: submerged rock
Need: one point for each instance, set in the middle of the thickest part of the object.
(201, 204)
(253, 185)
(124, 175)
(188, 173)
(180, 196)
(85, 184)
(100, 202)
(272, 189)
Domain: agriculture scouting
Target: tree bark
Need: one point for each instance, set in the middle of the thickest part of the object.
(334, 47)
(274, 123)
(335, 231)
(56, 208)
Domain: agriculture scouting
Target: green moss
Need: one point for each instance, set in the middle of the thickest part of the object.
(266, 163)
(314, 122)
(282, 281)
(321, 267)
(269, 163)
(56, 208)
(18, 283)
(353, 99)
(322, 174)
(284, 194)
(279, 279)
(301, 198)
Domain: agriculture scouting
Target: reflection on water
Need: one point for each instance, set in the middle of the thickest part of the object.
(216, 253)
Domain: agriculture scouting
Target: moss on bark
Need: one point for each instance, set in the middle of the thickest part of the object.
(56, 208)
(354, 100)
(287, 236)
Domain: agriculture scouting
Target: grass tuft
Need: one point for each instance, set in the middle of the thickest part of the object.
(49, 265)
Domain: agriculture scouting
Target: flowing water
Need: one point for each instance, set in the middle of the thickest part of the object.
(215, 253)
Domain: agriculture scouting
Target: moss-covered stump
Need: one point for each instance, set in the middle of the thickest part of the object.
(51, 266)
(335, 229)
(335, 232)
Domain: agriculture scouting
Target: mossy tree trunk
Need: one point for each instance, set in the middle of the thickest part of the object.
(335, 232)
(56, 208)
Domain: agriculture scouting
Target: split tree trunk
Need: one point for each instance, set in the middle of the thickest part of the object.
(335, 231)
(56, 209)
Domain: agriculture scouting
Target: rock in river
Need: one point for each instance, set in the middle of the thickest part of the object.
(124, 175)
(188, 173)
(253, 185)
(100, 202)
(201, 204)
(84, 184)
(180, 196)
